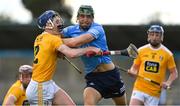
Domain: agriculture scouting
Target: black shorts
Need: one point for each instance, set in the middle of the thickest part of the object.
(109, 84)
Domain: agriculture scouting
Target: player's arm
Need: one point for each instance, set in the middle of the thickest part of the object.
(133, 71)
(79, 40)
(10, 101)
(173, 75)
(72, 53)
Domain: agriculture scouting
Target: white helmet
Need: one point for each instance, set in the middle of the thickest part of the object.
(25, 69)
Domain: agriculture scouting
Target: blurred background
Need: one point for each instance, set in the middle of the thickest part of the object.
(124, 21)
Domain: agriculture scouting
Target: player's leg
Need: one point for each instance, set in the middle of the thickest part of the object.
(137, 98)
(117, 88)
(136, 102)
(141, 98)
(91, 96)
(32, 92)
(120, 100)
(62, 98)
(59, 96)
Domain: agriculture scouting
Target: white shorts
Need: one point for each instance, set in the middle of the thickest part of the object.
(145, 98)
(40, 92)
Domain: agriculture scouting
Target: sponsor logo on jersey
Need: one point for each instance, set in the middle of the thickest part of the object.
(151, 66)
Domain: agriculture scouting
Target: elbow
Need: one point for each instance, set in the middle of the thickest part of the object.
(71, 55)
(68, 52)
(10, 100)
(176, 76)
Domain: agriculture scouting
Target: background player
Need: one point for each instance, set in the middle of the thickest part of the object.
(152, 61)
(16, 93)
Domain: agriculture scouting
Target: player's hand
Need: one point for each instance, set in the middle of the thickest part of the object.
(129, 72)
(166, 85)
(90, 53)
(132, 73)
(132, 51)
(93, 51)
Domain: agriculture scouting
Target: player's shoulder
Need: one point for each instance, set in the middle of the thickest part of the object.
(96, 27)
(94, 24)
(17, 86)
(143, 47)
(164, 48)
(71, 27)
(18, 83)
(40, 36)
(50, 37)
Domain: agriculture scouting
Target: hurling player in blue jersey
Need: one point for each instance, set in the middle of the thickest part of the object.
(102, 77)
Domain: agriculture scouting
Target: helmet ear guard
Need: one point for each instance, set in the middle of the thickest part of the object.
(162, 37)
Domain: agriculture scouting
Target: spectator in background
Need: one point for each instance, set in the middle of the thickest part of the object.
(16, 93)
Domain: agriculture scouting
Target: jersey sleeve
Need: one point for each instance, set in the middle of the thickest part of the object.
(171, 62)
(16, 92)
(65, 32)
(96, 31)
(137, 61)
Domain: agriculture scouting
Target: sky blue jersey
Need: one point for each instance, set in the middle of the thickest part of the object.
(97, 31)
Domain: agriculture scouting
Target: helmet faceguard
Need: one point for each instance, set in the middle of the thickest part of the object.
(48, 16)
(86, 10)
(157, 29)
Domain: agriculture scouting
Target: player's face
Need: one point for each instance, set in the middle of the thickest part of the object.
(154, 38)
(85, 21)
(58, 22)
(25, 79)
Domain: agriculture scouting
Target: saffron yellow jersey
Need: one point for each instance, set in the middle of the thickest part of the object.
(45, 56)
(153, 65)
(18, 92)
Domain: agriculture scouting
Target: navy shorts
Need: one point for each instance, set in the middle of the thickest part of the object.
(109, 84)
